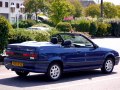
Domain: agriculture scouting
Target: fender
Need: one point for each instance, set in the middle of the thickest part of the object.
(55, 58)
(109, 54)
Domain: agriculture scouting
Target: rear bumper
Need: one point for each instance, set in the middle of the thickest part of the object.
(117, 59)
(30, 66)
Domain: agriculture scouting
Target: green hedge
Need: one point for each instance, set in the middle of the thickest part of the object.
(5, 27)
(103, 29)
(64, 26)
(21, 35)
(115, 28)
(25, 24)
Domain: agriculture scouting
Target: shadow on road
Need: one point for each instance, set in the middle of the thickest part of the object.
(40, 79)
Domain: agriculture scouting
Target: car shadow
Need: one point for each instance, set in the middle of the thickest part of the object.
(40, 79)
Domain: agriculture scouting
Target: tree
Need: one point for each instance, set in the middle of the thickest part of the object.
(118, 10)
(5, 27)
(78, 7)
(92, 10)
(109, 10)
(32, 6)
(60, 9)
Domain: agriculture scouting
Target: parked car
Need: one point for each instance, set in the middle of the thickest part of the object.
(65, 52)
(42, 28)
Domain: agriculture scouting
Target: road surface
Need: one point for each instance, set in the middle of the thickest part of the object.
(83, 80)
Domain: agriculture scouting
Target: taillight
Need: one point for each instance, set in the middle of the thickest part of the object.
(31, 56)
(9, 53)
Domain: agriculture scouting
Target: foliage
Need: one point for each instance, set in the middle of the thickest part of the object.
(64, 26)
(41, 36)
(93, 28)
(110, 10)
(115, 28)
(84, 25)
(49, 22)
(21, 35)
(103, 29)
(60, 9)
(78, 8)
(92, 10)
(25, 24)
(53, 31)
(33, 6)
(118, 10)
(5, 27)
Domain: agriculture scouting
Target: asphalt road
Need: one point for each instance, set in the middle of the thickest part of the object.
(83, 80)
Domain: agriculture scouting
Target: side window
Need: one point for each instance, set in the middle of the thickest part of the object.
(81, 41)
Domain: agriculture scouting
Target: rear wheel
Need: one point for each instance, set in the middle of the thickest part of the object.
(21, 73)
(108, 66)
(54, 72)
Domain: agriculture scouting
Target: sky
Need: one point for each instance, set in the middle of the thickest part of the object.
(116, 2)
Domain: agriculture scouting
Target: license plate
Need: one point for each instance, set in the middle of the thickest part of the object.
(18, 64)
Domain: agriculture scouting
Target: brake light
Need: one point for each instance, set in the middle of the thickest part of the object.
(26, 55)
(9, 53)
(31, 56)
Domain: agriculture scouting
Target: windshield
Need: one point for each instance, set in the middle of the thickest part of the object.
(77, 39)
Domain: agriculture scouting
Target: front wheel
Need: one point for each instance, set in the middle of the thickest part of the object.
(54, 72)
(21, 73)
(108, 66)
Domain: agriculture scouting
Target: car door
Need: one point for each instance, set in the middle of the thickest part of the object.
(72, 58)
(93, 56)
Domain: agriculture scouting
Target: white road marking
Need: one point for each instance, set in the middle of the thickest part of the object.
(89, 82)
(6, 74)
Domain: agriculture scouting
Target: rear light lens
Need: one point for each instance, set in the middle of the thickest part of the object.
(31, 56)
(9, 53)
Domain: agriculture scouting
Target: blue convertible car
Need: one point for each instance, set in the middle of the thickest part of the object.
(65, 52)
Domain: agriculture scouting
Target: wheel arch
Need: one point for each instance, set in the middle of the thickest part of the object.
(58, 62)
(110, 56)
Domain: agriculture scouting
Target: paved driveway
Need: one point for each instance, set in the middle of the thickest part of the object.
(83, 80)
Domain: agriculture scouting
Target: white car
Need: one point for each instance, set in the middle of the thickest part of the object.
(43, 28)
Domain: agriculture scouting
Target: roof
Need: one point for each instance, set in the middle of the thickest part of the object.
(86, 3)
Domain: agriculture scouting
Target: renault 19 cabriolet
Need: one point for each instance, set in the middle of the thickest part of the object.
(66, 52)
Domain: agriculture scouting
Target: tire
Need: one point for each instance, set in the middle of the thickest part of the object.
(54, 72)
(22, 73)
(108, 66)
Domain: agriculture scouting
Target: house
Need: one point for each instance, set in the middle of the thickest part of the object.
(5, 9)
(86, 3)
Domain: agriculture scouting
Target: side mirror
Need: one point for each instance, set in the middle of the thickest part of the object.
(96, 46)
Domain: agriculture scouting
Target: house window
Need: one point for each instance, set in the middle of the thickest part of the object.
(0, 3)
(12, 3)
(17, 5)
(6, 4)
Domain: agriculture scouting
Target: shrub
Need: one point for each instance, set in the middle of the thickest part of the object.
(41, 35)
(49, 22)
(21, 35)
(64, 26)
(5, 27)
(93, 28)
(25, 24)
(115, 28)
(84, 26)
(53, 31)
(103, 29)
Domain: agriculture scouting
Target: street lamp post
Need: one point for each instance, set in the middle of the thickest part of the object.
(22, 10)
(101, 6)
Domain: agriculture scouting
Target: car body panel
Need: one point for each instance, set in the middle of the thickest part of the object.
(73, 58)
